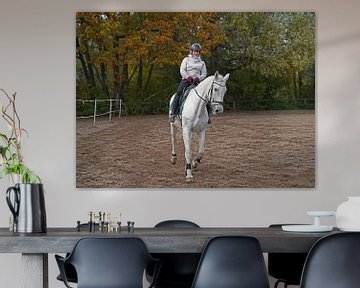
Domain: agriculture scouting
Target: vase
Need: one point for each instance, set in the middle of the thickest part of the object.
(27, 205)
(348, 214)
(14, 179)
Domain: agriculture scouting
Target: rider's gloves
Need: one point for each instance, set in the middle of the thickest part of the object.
(190, 80)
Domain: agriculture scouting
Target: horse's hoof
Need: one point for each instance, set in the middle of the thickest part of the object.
(195, 163)
(189, 175)
(173, 159)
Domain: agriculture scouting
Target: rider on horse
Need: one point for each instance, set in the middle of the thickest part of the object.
(192, 70)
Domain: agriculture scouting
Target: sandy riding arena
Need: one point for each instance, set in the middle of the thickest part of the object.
(243, 150)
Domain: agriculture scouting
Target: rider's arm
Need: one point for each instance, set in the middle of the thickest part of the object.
(203, 71)
(183, 71)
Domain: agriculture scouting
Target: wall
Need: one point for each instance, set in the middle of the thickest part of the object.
(37, 59)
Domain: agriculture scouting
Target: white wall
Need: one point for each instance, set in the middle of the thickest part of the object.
(37, 59)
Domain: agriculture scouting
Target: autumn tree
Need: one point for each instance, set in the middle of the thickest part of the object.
(126, 48)
(136, 56)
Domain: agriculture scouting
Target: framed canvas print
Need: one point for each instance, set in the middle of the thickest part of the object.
(195, 100)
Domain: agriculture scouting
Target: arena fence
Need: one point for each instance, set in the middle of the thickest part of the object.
(114, 107)
(98, 107)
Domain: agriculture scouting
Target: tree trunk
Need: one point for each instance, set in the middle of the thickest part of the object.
(146, 88)
(82, 60)
(140, 78)
(102, 78)
(124, 83)
(89, 66)
(301, 84)
(295, 86)
(116, 80)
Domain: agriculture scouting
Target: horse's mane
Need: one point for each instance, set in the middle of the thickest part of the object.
(206, 81)
(210, 78)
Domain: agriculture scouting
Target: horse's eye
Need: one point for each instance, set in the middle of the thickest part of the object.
(216, 89)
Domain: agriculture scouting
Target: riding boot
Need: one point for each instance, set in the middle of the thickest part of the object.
(175, 105)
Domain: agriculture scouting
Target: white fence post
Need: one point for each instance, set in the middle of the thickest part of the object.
(120, 104)
(95, 111)
(110, 100)
(97, 107)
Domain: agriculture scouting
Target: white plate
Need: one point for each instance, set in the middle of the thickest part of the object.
(306, 228)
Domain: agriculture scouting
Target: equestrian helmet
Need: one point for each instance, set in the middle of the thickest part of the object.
(195, 47)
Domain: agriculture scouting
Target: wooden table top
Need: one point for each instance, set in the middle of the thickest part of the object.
(158, 240)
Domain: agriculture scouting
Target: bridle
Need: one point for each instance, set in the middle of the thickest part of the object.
(210, 94)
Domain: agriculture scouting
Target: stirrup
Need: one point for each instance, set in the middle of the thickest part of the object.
(209, 121)
(172, 118)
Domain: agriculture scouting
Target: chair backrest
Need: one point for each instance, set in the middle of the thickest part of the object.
(287, 267)
(110, 262)
(232, 262)
(176, 224)
(333, 262)
(178, 269)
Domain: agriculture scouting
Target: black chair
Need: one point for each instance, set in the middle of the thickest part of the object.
(286, 267)
(178, 269)
(108, 262)
(176, 224)
(232, 262)
(333, 262)
(69, 269)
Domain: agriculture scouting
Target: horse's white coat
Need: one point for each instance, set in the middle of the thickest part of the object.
(194, 117)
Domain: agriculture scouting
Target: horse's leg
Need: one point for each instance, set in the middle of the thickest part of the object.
(201, 150)
(173, 143)
(187, 144)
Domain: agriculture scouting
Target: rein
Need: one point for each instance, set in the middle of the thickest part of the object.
(210, 93)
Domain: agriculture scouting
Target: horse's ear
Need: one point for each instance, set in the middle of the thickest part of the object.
(227, 77)
(216, 75)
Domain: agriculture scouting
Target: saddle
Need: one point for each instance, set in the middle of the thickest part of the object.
(183, 98)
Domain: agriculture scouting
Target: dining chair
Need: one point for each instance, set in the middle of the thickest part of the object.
(69, 269)
(178, 269)
(108, 263)
(232, 262)
(285, 267)
(333, 262)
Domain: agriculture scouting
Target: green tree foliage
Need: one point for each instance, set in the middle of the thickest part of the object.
(136, 56)
(273, 54)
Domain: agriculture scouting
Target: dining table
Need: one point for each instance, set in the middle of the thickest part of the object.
(35, 247)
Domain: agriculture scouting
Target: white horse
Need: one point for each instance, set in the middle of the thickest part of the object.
(194, 117)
